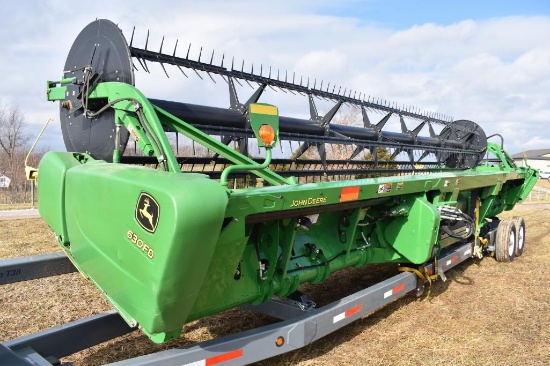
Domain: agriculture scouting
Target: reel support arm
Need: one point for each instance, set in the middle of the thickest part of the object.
(217, 147)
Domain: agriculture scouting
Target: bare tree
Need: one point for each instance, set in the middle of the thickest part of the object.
(13, 147)
(12, 131)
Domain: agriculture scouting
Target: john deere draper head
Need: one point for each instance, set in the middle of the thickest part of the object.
(256, 202)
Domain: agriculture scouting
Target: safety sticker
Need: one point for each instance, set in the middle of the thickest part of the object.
(394, 290)
(384, 188)
(347, 313)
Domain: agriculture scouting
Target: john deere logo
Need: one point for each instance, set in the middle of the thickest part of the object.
(147, 212)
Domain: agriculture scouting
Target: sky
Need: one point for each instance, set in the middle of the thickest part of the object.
(485, 61)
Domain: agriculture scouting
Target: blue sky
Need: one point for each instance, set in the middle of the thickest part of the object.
(402, 14)
(486, 61)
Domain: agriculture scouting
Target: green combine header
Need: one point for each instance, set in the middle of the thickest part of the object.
(261, 202)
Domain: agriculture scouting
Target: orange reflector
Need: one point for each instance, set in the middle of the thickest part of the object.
(267, 134)
(354, 310)
(224, 357)
(349, 194)
(396, 289)
(280, 341)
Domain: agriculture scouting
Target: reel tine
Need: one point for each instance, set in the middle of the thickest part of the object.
(161, 64)
(143, 67)
(211, 77)
(248, 83)
(196, 72)
(183, 72)
(424, 154)
(275, 90)
(132, 38)
(237, 80)
(175, 48)
(146, 68)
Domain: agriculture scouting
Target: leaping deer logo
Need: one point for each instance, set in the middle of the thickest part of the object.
(147, 212)
(144, 212)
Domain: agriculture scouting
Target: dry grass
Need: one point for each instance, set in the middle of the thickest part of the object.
(545, 183)
(487, 313)
(539, 197)
(16, 206)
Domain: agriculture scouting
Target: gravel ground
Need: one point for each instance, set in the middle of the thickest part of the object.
(19, 214)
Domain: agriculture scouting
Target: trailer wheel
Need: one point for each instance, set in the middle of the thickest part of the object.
(519, 223)
(505, 243)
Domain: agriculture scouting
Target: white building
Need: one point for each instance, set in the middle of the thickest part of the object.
(4, 181)
(538, 159)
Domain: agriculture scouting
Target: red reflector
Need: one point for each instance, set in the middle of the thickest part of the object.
(349, 194)
(224, 357)
(396, 289)
(354, 310)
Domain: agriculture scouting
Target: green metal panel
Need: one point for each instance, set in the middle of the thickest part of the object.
(413, 235)
(144, 237)
(53, 169)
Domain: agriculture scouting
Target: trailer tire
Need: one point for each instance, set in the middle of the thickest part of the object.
(519, 223)
(505, 243)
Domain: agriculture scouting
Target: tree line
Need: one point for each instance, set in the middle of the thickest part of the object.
(15, 142)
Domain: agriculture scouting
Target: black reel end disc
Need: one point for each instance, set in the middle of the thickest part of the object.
(471, 136)
(102, 50)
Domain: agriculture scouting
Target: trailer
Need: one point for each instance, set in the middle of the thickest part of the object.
(255, 204)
